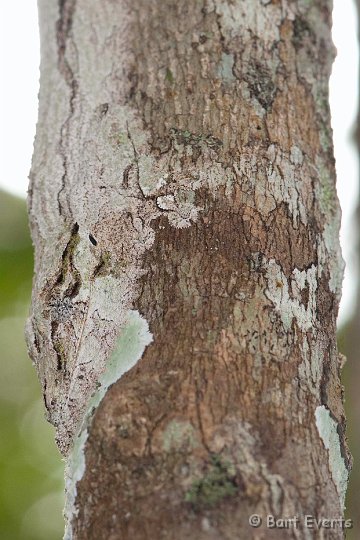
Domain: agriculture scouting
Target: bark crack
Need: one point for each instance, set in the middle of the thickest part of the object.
(63, 35)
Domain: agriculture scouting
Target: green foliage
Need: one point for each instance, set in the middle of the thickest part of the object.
(16, 260)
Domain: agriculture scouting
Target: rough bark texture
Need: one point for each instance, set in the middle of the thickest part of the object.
(185, 219)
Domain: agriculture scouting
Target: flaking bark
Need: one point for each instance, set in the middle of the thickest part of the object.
(185, 220)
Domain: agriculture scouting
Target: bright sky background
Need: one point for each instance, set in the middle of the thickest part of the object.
(19, 70)
(344, 98)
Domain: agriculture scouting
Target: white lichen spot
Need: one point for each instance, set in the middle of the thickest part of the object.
(285, 181)
(327, 428)
(286, 295)
(161, 181)
(296, 155)
(206, 524)
(276, 486)
(131, 343)
(74, 471)
(166, 202)
(180, 209)
(225, 68)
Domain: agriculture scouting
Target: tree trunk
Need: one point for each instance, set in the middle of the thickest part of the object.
(188, 270)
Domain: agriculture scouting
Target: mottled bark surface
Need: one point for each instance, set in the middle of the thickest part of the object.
(185, 220)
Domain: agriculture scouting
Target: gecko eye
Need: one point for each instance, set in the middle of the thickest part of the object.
(92, 240)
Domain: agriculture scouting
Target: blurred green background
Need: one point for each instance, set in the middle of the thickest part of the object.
(31, 469)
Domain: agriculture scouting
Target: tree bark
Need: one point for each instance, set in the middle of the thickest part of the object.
(187, 266)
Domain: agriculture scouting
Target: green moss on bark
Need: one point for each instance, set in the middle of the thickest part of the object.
(217, 484)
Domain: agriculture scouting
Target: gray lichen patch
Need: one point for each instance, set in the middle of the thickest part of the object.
(286, 181)
(225, 68)
(286, 295)
(296, 155)
(180, 210)
(240, 17)
(328, 431)
(272, 176)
